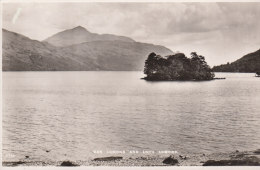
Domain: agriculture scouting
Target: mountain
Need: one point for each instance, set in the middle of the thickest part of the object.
(249, 63)
(115, 55)
(79, 35)
(21, 53)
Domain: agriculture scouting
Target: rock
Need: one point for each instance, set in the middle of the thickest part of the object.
(253, 158)
(257, 151)
(244, 162)
(182, 157)
(15, 163)
(110, 158)
(170, 160)
(26, 157)
(219, 78)
(237, 151)
(240, 155)
(47, 150)
(68, 163)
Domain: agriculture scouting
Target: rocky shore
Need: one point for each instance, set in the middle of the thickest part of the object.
(236, 158)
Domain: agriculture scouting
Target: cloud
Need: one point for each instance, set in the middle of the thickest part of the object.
(220, 31)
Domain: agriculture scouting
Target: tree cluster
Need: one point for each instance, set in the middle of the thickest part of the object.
(177, 67)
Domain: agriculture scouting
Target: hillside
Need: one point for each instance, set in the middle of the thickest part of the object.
(23, 54)
(249, 63)
(20, 53)
(79, 35)
(115, 55)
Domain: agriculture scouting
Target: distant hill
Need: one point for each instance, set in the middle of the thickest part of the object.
(249, 63)
(79, 35)
(20, 53)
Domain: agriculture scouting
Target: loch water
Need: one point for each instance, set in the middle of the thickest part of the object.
(70, 115)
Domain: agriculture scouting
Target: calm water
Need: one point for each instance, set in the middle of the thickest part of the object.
(71, 114)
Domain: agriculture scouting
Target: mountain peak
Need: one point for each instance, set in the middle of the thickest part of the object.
(80, 28)
(80, 35)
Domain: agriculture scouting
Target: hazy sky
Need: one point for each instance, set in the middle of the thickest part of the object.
(221, 32)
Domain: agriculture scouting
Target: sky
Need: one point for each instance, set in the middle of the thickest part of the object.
(222, 32)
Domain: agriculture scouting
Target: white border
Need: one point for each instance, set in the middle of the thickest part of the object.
(109, 167)
(124, 1)
(135, 168)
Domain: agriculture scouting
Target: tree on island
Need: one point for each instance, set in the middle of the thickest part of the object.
(177, 67)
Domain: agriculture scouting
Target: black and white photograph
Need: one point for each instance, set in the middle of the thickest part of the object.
(130, 84)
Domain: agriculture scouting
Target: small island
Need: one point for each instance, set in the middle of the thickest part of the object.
(177, 67)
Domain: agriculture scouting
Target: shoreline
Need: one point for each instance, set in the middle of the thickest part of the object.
(236, 158)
